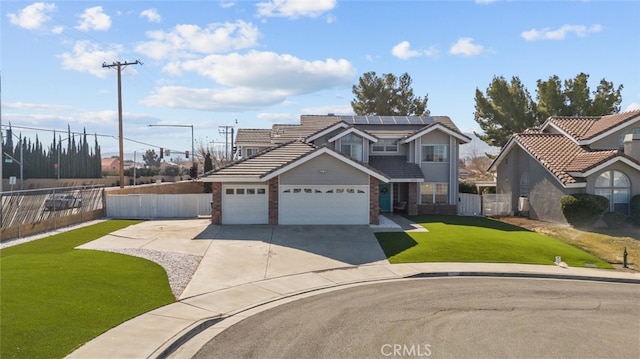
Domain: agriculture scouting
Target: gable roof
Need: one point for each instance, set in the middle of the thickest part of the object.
(587, 129)
(274, 161)
(567, 161)
(253, 135)
(462, 138)
(357, 131)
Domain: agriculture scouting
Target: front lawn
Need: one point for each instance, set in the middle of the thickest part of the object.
(478, 239)
(54, 298)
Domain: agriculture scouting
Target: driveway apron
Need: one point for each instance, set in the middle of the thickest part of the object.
(240, 254)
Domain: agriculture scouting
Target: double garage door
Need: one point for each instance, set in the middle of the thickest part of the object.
(326, 204)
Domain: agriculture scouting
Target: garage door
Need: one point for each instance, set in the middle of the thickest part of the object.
(245, 205)
(324, 205)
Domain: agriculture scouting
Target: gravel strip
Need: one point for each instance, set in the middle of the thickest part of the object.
(179, 267)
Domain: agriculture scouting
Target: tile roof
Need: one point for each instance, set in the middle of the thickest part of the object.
(266, 161)
(588, 127)
(284, 133)
(560, 155)
(395, 167)
(253, 135)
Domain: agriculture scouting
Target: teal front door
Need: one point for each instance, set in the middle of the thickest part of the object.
(384, 197)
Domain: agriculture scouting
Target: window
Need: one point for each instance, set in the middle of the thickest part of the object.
(615, 186)
(385, 145)
(435, 153)
(251, 151)
(240, 191)
(228, 191)
(434, 193)
(261, 191)
(524, 185)
(251, 191)
(351, 145)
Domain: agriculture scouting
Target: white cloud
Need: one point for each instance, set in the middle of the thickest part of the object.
(560, 33)
(151, 15)
(234, 99)
(294, 8)
(86, 57)
(35, 106)
(226, 4)
(403, 51)
(465, 47)
(280, 118)
(432, 51)
(633, 106)
(484, 2)
(252, 81)
(94, 18)
(185, 40)
(32, 16)
(272, 71)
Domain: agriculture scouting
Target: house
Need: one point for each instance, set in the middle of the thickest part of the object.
(110, 164)
(339, 170)
(569, 155)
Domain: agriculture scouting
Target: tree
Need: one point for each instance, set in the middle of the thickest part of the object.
(506, 109)
(208, 166)
(575, 98)
(387, 96)
(151, 159)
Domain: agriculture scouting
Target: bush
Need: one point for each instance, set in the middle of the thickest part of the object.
(583, 209)
(635, 210)
(466, 187)
(614, 219)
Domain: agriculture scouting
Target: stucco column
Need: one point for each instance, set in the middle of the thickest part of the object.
(374, 202)
(273, 200)
(216, 206)
(412, 203)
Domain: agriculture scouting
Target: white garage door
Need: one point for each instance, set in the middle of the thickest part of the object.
(245, 204)
(324, 205)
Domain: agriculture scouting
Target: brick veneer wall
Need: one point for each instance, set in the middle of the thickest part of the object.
(216, 210)
(445, 209)
(374, 201)
(412, 203)
(273, 200)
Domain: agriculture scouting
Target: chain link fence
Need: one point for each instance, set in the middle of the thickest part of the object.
(33, 211)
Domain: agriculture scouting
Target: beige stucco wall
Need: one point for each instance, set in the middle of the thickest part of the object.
(337, 172)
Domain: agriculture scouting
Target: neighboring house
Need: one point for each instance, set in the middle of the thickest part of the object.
(110, 164)
(569, 155)
(339, 170)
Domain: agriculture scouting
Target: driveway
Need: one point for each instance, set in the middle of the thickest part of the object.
(239, 254)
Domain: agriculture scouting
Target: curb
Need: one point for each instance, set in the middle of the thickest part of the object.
(204, 324)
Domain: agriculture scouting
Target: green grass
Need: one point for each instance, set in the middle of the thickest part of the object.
(54, 298)
(476, 239)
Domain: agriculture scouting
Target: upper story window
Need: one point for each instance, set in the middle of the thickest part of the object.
(351, 145)
(251, 151)
(435, 153)
(385, 145)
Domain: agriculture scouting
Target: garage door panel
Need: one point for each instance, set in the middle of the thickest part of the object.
(245, 205)
(324, 205)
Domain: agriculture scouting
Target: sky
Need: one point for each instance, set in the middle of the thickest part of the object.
(250, 64)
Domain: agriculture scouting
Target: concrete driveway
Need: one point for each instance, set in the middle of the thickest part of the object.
(239, 254)
(233, 255)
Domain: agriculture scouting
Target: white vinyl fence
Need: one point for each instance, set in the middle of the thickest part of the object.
(496, 204)
(469, 204)
(150, 206)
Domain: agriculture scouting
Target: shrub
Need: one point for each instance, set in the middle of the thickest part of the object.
(583, 209)
(614, 219)
(466, 187)
(635, 210)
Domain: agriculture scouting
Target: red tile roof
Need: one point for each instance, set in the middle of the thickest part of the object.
(588, 127)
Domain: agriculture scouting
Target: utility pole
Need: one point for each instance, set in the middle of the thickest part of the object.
(226, 130)
(119, 66)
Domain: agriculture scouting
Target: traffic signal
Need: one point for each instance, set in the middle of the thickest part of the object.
(186, 154)
(161, 152)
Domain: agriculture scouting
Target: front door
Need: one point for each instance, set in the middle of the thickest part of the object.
(384, 197)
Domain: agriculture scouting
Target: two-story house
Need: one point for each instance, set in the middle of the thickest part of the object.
(569, 155)
(339, 170)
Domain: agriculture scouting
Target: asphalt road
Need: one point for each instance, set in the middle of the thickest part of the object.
(445, 318)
